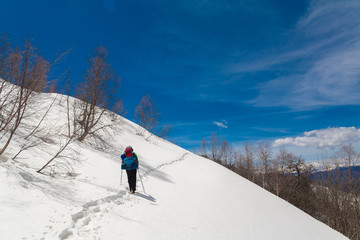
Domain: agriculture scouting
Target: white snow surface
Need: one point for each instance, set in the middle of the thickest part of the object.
(184, 196)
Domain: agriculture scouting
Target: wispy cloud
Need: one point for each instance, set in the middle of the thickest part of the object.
(222, 124)
(272, 130)
(322, 138)
(323, 61)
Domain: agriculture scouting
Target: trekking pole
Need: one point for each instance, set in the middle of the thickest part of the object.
(121, 177)
(141, 180)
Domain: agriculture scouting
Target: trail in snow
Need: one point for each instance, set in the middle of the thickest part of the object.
(151, 171)
(85, 224)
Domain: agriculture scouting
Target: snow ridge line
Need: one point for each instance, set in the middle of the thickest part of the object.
(151, 171)
(83, 225)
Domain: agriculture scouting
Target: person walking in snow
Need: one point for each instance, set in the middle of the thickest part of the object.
(130, 162)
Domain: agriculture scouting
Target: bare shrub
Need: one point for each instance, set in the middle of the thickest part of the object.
(97, 92)
(148, 116)
(25, 74)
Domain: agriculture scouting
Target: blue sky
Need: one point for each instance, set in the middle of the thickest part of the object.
(259, 70)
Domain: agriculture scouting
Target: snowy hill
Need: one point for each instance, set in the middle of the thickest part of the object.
(185, 197)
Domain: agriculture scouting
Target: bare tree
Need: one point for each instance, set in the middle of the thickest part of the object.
(228, 155)
(264, 156)
(164, 131)
(63, 147)
(4, 53)
(249, 153)
(349, 157)
(216, 153)
(352, 183)
(97, 92)
(118, 109)
(279, 166)
(219, 151)
(239, 162)
(27, 73)
(147, 114)
(39, 135)
(203, 148)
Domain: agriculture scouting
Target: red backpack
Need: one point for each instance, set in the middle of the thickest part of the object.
(129, 152)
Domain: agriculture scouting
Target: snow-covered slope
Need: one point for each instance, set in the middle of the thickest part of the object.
(185, 197)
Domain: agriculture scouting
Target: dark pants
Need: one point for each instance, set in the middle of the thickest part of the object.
(131, 174)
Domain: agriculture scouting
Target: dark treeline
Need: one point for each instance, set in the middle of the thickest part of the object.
(329, 192)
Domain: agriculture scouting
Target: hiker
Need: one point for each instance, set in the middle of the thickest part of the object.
(130, 162)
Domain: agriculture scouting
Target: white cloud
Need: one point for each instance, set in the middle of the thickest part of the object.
(326, 58)
(222, 124)
(322, 138)
(272, 130)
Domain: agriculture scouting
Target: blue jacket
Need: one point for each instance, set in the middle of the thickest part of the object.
(123, 156)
